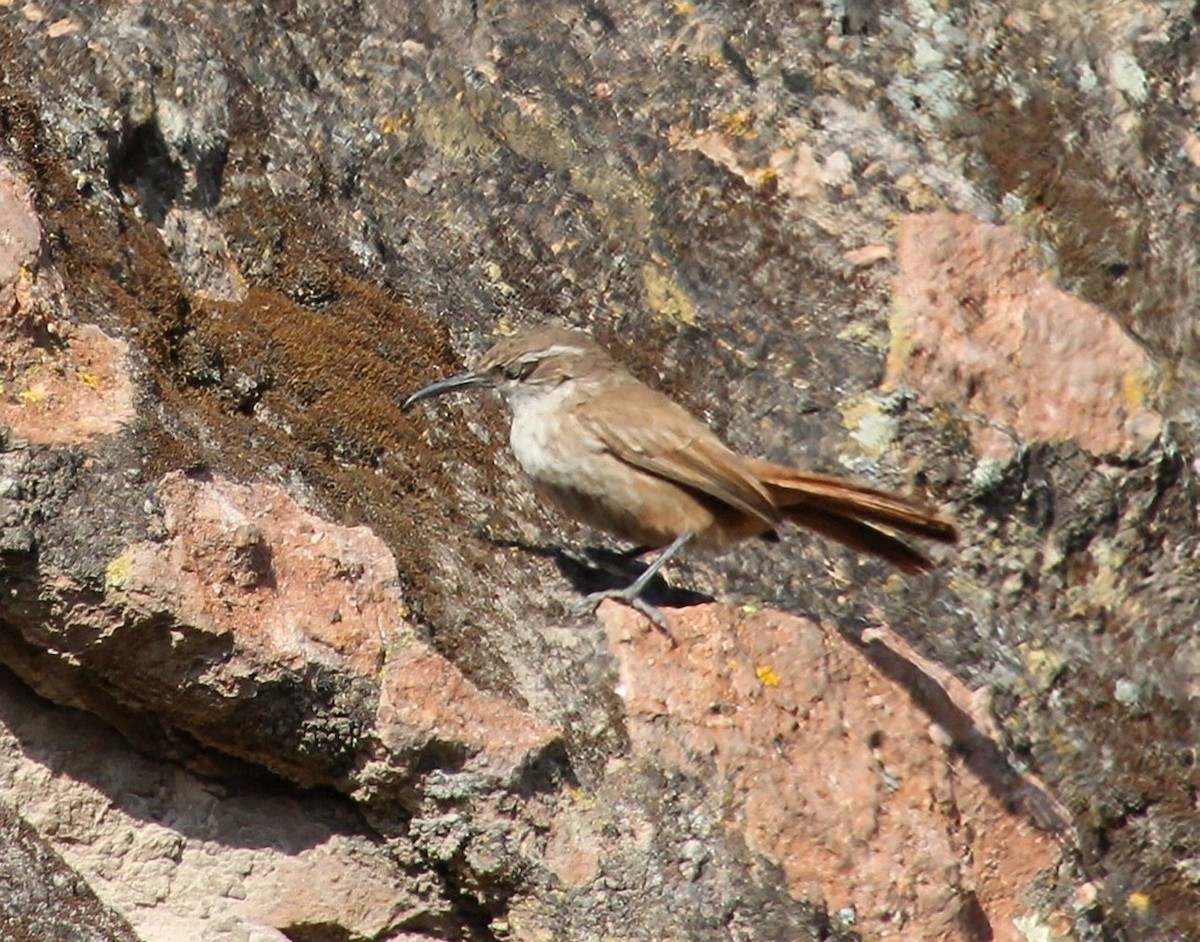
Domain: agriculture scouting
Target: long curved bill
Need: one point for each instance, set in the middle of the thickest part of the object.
(462, 381)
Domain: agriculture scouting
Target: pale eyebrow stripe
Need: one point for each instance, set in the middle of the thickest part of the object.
(558, 349)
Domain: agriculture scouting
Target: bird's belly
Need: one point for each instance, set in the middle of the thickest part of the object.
(575, 473)
(635, 507)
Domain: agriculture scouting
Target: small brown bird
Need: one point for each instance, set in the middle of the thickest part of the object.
(609, 451)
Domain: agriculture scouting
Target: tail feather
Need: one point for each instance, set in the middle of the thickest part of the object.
(852, 514)
(861, 537)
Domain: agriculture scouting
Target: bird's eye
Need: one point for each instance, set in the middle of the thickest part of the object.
(519, 369)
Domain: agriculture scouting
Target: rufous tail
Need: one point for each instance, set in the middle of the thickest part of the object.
(852, 514)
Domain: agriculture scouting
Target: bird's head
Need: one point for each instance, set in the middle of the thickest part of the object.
(525, 364)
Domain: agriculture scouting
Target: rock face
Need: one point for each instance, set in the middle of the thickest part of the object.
(978, 326)
(281, 662)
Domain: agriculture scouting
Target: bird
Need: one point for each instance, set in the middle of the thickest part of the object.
(609, 451)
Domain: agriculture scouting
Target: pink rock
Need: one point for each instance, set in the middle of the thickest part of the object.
(978, 325)
(826, 764)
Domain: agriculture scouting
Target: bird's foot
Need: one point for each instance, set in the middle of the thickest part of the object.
(589, 603)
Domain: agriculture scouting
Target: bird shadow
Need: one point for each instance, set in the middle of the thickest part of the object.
(598, 568)
(594, 569)
(979, 752)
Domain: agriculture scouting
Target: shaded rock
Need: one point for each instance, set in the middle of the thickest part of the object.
(246, 612)
(44, 900)
(193, 858)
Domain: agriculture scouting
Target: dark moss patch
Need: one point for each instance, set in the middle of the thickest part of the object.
(302, 377)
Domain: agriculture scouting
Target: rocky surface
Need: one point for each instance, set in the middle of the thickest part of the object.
(44, 899)
(283, 662)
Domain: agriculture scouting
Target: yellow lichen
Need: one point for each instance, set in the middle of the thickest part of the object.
(737, 123)
(902, 345)
(1043, 664)
(666, 297)
(766, 676)
(1133, 390)
(495, 274)
(116, 573)
(450, 127)
(765, 178)
(863, 417)
(918, 194)
(392, 124)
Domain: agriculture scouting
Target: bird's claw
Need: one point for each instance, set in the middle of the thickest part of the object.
(588, 604)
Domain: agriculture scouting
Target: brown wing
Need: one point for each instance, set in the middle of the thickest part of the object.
(645, 429)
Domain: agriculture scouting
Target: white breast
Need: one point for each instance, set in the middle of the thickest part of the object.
(542, 430)
(571, 469)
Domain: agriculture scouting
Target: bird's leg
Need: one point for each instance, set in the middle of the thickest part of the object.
(622, 563)
(631, 594)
